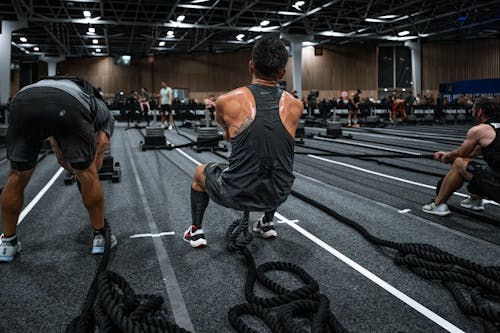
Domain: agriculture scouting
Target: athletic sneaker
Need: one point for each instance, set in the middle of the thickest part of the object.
(162, 125)
(265, 229)
(195, 237)
(170, 127)
(469, 203)
(440, 210)
(98, 243)
(8, 250)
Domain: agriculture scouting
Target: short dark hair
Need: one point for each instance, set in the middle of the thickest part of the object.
(489, 105)
(269, 57)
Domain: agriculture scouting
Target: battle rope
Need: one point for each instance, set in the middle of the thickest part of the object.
(425, 156)
(112, 305)
(277, 312)
(475, 288)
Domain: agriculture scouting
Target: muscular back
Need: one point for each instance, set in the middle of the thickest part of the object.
(236, 110)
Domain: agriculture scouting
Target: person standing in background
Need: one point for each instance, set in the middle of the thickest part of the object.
(166, 97)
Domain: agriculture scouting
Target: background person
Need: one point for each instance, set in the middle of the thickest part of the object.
(166, 98)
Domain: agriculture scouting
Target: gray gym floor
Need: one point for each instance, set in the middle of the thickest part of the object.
(44, 288)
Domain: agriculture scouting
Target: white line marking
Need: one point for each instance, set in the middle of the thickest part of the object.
(291, 221)
(404, 211)
(381, 174)
(167, 233)
(40, 194)
(395, 292)
(368, 146)
(381, 283)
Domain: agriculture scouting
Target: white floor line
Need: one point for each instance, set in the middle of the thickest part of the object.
(380, 174)
(375, 279)
(40, 194)
(368, 146)
(166, 233)
(393, 291)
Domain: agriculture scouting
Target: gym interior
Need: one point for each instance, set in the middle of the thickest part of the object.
(384, 85)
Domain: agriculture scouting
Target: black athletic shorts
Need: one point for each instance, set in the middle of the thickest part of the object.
(213, 184)
(39, 112)
(165, 108)
(485, 181)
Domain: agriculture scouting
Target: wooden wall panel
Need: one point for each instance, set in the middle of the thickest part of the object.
(348, 67)
(465, 60)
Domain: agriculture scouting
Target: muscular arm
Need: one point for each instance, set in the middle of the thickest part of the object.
(469, 148)
(101, 146)
(219, 118)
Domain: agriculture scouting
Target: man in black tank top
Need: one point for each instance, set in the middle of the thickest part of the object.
(260, 122)
(484, 179)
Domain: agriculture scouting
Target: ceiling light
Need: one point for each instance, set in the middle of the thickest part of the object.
(95, 41)
(23, 39)
(98, 50)
(180, 18)
(87, 13)
(36, 48)
(297, 4)
(162, 43)
(403, 33)
(199, 1)
(374, 20)
(26, 51)
(91, 30)
(404, 89)
(240, 36)
(385, 89)
(386, 17)
(264, 23)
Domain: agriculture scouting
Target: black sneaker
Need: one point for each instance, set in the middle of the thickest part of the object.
(265, 229)
(195, 237)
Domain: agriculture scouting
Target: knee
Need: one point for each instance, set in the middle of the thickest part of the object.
(199, 178)
(460, 163)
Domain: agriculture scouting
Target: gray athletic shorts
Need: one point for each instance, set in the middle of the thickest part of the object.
(485, 181)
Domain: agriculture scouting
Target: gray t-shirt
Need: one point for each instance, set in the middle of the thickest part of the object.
(165, 95)
(104, 120)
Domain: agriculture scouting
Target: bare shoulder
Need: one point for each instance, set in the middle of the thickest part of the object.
(479, 131)
(292, 103)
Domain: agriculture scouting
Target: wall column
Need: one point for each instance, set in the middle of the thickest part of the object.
(416, 65)
(52, 64)
(296, 51)
(5, 60)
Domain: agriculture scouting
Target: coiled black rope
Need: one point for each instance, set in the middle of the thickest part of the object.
(277, 312)
(112, 305)
(475, 288)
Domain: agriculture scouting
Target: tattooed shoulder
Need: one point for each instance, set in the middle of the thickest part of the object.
(246, 122)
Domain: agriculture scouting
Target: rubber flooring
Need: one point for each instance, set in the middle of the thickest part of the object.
(45, 287)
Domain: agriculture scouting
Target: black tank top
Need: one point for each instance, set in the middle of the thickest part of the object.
(491, 153)
(260, 172)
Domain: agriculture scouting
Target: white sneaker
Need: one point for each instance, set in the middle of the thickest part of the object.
(162, 125)
(440, 210)
(265, 229)
(98, 243)
(469, 203)
(195, 237)
(170, 127)
(8, 250)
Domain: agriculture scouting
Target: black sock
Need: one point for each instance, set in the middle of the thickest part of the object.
(11, 239)
(99, 231)
(268, 216)
(199, 202)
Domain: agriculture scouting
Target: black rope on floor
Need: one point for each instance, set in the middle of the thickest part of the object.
(277, 312)
(112, 306)
(475, 288)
